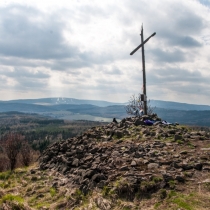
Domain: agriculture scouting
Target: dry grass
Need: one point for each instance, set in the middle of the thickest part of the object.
(36, 191)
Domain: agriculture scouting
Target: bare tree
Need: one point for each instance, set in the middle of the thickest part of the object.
(4, 164)
(135, 104)
(26, 153)
(12, 143)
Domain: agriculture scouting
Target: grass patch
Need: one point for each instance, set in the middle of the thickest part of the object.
(180, 141)
(79, 195)
(157, 205)
(163, 193)
(41, 205)
(172, 184)
(182, 203)
(52, 191)
(5, 175)
(106, 191)
(187, 201)
(190, 145)
(171, 194)
(167, 139)
(10, 197)
(157, 179)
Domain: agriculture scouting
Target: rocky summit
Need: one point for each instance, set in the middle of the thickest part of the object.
(130, 161)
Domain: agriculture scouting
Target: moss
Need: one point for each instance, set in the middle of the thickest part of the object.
(157, 179)
(172, 184)
(78, 195)
(126, 208)
(171, 194)
(167, 139)
(182, 203)
(157, 205)
(190, 145)
(106, 191)
(52, 191)
(41, 205)
(10, 197)
(180, 141)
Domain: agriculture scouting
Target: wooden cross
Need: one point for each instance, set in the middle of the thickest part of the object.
(143, 65)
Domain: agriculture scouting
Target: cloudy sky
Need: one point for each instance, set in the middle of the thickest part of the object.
(81, 49)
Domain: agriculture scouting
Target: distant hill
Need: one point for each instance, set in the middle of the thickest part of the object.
(201, 118)
(60, 100)
(177, 105)
(23, 107)
(183, 113)
(73, 101)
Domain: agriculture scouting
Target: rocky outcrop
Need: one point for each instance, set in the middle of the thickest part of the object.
(130, 157)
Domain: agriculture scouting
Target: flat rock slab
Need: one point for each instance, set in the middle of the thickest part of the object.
(205, 149)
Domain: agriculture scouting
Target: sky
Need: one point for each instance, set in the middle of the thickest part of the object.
(81, 49)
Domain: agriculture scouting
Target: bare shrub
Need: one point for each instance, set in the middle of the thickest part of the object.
(135, 104)
(11, 144)
(26, 153)
(4, 163)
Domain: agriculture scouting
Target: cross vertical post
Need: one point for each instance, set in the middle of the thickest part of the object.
(144, 72)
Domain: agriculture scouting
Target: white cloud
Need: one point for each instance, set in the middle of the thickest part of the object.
(81, 49)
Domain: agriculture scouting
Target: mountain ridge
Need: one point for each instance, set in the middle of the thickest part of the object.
(101, 103)
(189, 114)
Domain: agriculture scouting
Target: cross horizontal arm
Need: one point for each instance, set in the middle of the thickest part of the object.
(142, 43)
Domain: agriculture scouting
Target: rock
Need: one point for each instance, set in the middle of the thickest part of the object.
(118, 133)
(206, 168)
(167, 177)
(88, 158)
(102, 203)
(198, 166)
(180, 178)
(115, 154)
(205, 149)
(97, 177)
(183, 152)
(133, 163)
(172, 131)
(187, 166)
(75, 162)
(177, 137)
(33, 171)
(187, 135)
(88, 174)
(145, 161)
(124, 168)
(206, 181)
(101, 184)
(153, 166)
(138, 122)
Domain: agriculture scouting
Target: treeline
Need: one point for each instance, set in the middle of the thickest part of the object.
(39, 140)
(37, 132)
(42, 122)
